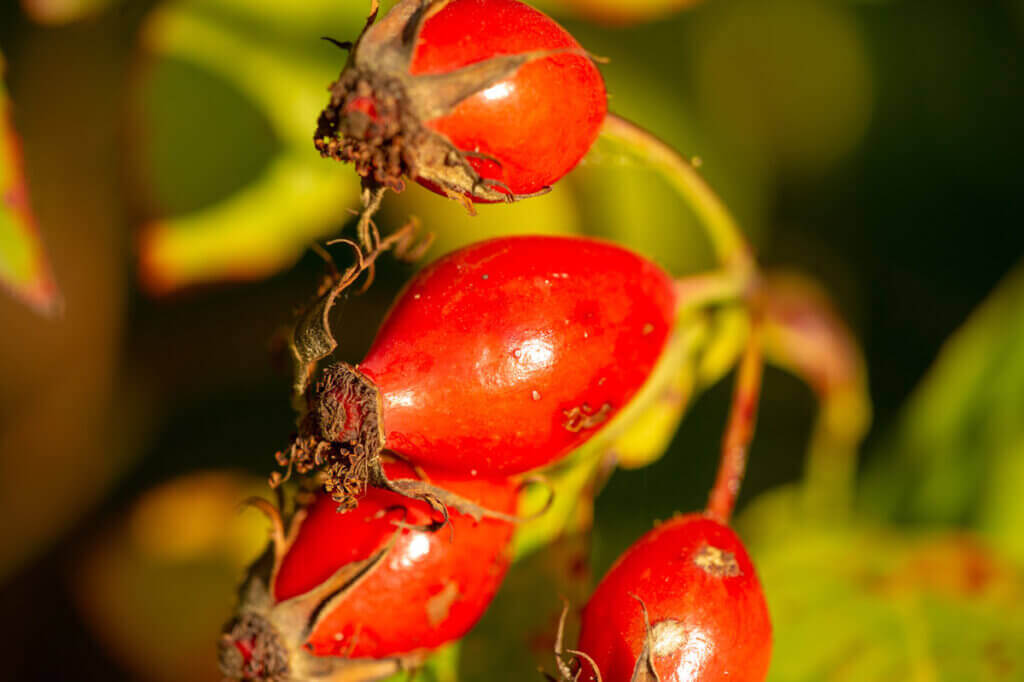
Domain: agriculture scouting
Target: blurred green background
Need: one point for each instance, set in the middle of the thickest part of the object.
(874, 145)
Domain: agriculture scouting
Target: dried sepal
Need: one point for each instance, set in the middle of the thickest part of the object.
(645, 670)
(311, 338)
(564, 669)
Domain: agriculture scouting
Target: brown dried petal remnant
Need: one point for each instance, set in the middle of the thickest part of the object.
(717, 562)
(584, 417)
(381, 146)
(440, 605)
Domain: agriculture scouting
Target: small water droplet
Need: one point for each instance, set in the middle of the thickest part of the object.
(517, 353)
(484, 276)
(536, 395)
(416, 296)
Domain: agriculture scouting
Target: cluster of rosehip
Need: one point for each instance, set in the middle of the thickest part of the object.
(496, 362)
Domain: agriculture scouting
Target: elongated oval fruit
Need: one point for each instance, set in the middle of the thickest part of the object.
(486, 99)
(497, 359)
(706, 618)
(368, 590)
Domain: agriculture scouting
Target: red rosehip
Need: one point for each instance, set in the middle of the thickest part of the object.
(366, 588)
(705, 610)
(486, 99)
(497, 359)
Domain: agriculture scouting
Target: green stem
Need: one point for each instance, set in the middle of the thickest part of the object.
(831, 469)
(694, 292)
(727, 239)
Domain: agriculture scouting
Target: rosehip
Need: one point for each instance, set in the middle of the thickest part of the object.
(497, 359)
(683, 604)
(367, 590)
(486, 99)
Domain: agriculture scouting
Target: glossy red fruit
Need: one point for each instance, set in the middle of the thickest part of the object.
(500, 357)
(707, 614)
(402, 591)
(489, 99)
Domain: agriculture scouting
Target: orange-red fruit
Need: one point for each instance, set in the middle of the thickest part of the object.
(707, 613)
(485, 99)
(505, 355)
(538, 122)
(428, 590)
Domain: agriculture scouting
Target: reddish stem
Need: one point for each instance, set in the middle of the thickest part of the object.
(739, 432)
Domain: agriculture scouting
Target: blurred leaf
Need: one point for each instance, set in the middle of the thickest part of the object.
(159, 584)
(710, 349)
(1001, 513)
(566, 490)
(955, 457)
(517, 634)
(637, 436)
(266, 76)
(869, 604)
(24, 267)
(554, 213)
(805, 335)
(442, 666)
(57, 12)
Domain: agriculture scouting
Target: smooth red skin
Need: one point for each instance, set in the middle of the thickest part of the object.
(729, 634)
(486, 349)
(540, 121)
(387, 614)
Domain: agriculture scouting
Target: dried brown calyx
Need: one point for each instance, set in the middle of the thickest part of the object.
(341, 438)
(252, 649)
(340, 435)
(368, 123)
(378, 109)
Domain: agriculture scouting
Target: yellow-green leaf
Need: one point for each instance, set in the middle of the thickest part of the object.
(866, 603)
(263, 70)
(954, 457)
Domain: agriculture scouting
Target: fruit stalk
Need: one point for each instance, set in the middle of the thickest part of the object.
(727, 239)
(739, 432)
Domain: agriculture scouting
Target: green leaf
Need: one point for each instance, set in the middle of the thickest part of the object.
(24, 267)
(866, 603)
(442, 666)
(955, 454)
